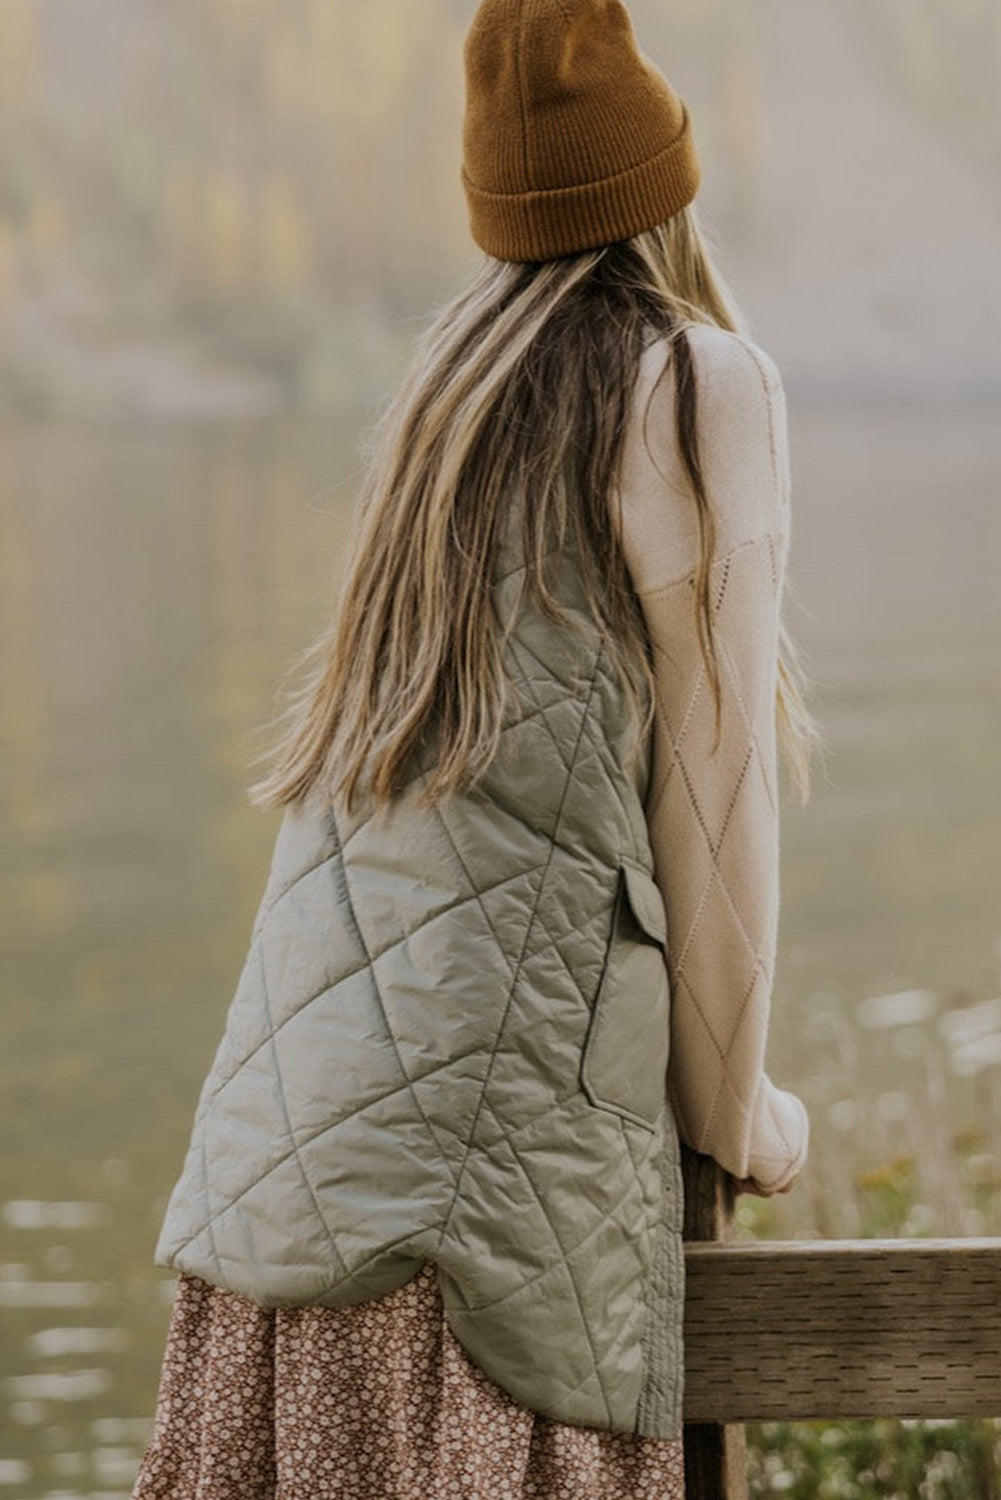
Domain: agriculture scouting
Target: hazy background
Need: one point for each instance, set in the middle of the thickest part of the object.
(221, 223)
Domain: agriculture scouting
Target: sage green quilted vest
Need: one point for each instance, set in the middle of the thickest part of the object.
(449, 1042)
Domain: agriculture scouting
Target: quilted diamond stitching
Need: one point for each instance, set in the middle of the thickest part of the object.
(553, 947)
(335, 984)
(601, 748)
(265, 911)
(505, 730)
(209, 1216)
(291, 1133)
(525, 1175)
(309, 1140)
(577, 694)
(408, 1082)
(539, 709)
(568, 1269)
(476, 893)
(511, 992)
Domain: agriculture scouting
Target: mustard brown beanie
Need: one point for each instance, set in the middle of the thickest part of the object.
(572, 139)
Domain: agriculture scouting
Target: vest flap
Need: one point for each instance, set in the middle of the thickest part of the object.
(645, 899)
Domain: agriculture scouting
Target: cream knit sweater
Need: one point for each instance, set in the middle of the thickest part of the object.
(714, 819)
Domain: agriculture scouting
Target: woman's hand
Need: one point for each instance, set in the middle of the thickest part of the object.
(749, 1185)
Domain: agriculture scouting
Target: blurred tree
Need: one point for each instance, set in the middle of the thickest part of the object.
(296, 165)
(18, 53)
(8, 265)
(284, 234)
(227, 226)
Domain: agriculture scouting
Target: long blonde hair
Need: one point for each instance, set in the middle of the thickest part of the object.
(519, 388)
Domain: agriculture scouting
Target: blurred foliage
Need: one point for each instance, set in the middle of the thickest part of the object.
(233, 174)
(938, 48)
(874, 1460)
(883, 1459)
(265, 176)
(887, 1193)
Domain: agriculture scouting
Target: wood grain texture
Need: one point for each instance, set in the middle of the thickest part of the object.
(715, 1453)
(842, 1329)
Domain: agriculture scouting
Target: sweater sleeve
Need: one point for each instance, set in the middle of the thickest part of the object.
(714, 815)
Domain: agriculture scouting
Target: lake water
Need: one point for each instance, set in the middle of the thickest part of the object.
(155, 582)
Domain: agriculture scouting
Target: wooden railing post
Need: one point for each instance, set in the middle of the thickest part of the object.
(838, 1330)
(715, 1454)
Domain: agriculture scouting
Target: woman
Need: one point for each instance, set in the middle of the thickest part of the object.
(518, 936)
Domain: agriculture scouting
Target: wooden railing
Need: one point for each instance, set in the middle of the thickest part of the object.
(836, 1329)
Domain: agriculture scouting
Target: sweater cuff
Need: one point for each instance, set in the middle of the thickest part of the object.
(780, 1137)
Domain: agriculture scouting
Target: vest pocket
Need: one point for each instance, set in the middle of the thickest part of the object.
(624, 1061)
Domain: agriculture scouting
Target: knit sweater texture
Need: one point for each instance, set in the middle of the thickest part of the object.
(714, 817)
(572, 138)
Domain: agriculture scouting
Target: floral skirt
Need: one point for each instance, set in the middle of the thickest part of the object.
(379, 1401)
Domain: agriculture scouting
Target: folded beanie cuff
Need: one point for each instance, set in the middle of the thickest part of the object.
(544, 224)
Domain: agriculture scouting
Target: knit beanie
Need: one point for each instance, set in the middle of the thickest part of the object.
(572, 139)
